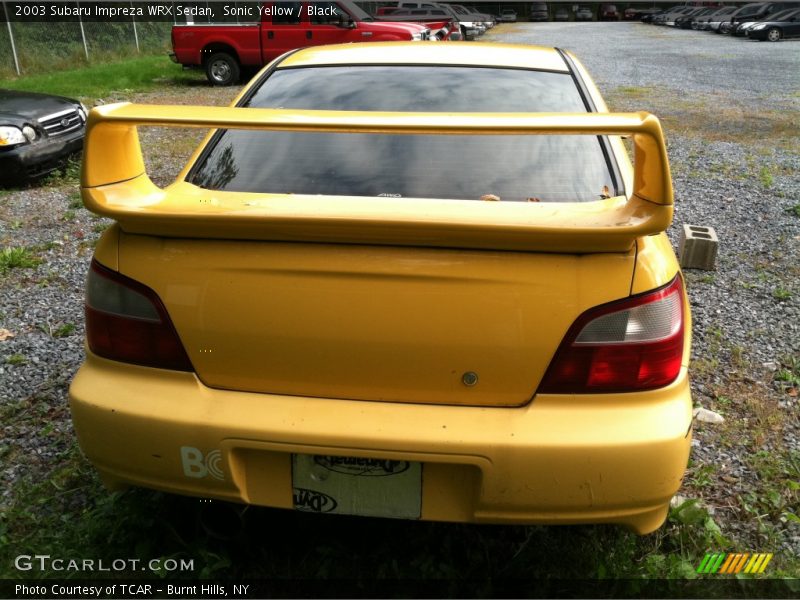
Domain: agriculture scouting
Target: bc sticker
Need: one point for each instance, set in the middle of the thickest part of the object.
(197, 465)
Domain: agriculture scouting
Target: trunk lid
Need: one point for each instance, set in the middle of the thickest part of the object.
(383, 323)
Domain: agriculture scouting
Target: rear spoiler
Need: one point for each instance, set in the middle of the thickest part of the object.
(114, 184)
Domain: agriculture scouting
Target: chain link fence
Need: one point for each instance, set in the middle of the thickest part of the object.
(46, 46)
(42, 47)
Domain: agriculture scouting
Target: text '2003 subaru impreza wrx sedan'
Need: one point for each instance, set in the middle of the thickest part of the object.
(372, 294)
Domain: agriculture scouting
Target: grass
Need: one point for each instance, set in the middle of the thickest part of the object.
(17, 258)
(634, 91)
(789, 372)
(779, 497)
(75, 201)
(16, 359)
(765, 177)
(100, 81)
(702, 476)
(781, 293)
(64, 330)
(70, 174)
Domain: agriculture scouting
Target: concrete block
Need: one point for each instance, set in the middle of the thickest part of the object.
(698, 248)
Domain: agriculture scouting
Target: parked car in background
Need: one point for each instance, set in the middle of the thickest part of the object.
(470, 14)
(508, 15)
(608, 12)
(650, 17)
(38, 134)
(223, 49)
(703, 23)
(468, 29)
(634, 13)
(584, 13)
(744, 26)
(488, 18)
(757, 11)
(774, 30)
(539, 12)
(441, 20)
(668, 17)
(685, 21)
(561, 14)
(376, 292)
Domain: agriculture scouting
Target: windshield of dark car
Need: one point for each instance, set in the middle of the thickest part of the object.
(567, 168)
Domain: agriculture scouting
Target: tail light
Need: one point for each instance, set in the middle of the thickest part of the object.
(126, 321)
(631, 345)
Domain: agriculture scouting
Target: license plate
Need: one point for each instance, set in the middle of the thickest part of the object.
(346, 485)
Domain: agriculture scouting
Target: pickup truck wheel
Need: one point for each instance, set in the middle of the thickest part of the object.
(222, 69)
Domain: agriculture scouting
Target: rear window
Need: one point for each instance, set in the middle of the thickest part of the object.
(546, 168)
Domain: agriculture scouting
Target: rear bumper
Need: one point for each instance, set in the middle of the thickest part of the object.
(594, 459)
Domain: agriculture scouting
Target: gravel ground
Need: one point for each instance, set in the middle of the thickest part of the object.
(736, 174)
(635, 54)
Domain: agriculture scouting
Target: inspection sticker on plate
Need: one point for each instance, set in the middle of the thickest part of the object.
(346, 485)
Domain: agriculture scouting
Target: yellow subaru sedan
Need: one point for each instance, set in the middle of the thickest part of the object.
(419, 281)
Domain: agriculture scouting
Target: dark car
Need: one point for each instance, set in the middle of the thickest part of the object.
(758, 11)
(640, 14)
(658, 17)
(705, 22)
(38, 133)
(561, 14)
(685, 21)
(787, 27)
(745, 26)
(539, 12)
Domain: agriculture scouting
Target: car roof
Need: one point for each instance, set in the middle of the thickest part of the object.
(421, 53)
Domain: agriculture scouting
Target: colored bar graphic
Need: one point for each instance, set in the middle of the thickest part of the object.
(717, 563)
(730, 564)
(732, 558)
(755, 560)
(737, 567)
(706, 560)
(765, 563)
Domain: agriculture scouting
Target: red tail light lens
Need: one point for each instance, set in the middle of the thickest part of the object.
(631, 345)
(126, 321)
